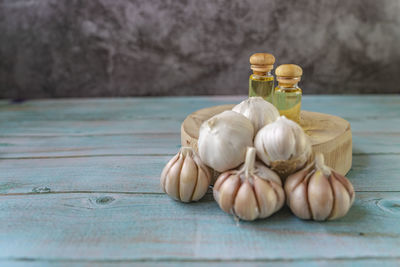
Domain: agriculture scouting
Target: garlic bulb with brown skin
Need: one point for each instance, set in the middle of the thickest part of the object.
(319, 193)
(250, 193)
(185, 177)
(283, 146)
(223, 140)
(258, 111)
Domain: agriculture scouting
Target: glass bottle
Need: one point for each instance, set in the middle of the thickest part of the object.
(287, 95)
(261, 82)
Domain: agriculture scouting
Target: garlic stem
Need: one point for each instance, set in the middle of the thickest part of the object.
(186, 151)
(250, 160)
(320, 164)
(211, 122)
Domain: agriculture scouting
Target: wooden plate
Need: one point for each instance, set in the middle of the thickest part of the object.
(329, 134)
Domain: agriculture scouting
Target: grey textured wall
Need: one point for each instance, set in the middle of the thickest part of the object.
(74, 48)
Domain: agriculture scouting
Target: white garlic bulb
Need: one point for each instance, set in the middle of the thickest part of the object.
(252, 192)
(258, 111)
(223, 140)
(185, 177)
(317, 192)
(283, 145)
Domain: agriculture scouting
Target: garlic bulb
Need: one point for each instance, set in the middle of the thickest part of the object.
(317, 192)
(252, 192)
(223, 140)
(283, 146)
(258, 111)
(185, 177)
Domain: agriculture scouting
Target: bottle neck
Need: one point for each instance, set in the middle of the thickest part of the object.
(262, 74)
(288, 85)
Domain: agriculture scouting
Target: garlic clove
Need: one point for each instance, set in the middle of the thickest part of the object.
(267, 174)
(320, 196)
(217, 185)
(227, 193)
(201, 185)
(246, 206)
(172, 180)
(258, 111)
(188, 179)
(298, 202)
(203, 168)
(266, 197)
(346, 184)
(280, 193)
(284, 147)
(167, 169)
(342, 200)
(295, 179)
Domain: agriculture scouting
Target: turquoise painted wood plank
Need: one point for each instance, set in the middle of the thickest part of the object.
(58, 146)
(365, 106)
(106, 109)
(382, 262)
(89, 128)
(165, 125)
(141, 174)
(154, 227)
(108, 174)
(148, 143)
(367, 142)
(365, 174)
(129, 108)
(127, 116)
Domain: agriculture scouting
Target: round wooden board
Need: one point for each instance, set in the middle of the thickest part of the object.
(329, 134)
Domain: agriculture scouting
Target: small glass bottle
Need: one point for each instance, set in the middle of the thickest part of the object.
(261, 82)
(287, 95)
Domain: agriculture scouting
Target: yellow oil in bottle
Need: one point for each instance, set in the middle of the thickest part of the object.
(262, 86)
(288, 101)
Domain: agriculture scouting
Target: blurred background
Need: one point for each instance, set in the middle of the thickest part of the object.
(96, 48)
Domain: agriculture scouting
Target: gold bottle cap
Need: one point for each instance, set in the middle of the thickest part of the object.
(262, 63)
(288, 73)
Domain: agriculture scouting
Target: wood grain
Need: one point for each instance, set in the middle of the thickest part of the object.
(354, 262)
(93, 117)
(371, 107)
(141, 174)
(69, 146)
(148, 227)
(148, 143)
(79, 185)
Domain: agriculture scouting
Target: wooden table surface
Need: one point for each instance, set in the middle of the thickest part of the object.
(79, 184)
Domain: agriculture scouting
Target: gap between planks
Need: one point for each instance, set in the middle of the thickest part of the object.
(44, 135)
(150, 155)
(209, 193)
(205, 260)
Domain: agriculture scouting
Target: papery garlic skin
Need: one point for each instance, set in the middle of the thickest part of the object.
(258, 111)
(319, 193)
(250, 193)
(283, 146)
(185, 177)
(223, 140)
